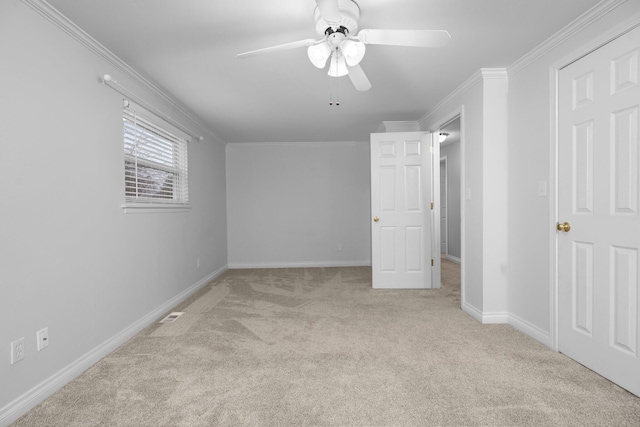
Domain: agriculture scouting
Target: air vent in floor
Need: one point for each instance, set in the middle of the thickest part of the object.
(172, 317)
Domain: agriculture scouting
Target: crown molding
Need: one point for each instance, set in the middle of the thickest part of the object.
(398, 126)
(235, 145)
(574, 27)
(493, 73)
(460, 90)
(577, 25)
(54, 16)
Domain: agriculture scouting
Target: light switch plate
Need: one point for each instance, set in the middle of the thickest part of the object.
(542, 188)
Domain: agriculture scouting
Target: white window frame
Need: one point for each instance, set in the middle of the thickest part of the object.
(156, 174)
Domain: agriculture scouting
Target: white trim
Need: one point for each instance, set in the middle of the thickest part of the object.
(459, 112)
(554, 70)
(459, 91)
(142, 208)
(472, 311)
(494, 73)
(22, 404)
(574, 27)
(444, 159)
(233, 145)
(78, 34)
(398, 126)
(500, 317)
(299, 264)
(436, 269)
(530, 329)
(453, 259)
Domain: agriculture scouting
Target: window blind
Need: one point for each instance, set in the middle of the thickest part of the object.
(155, 160)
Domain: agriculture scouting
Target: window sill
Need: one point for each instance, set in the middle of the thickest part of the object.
(136, 208)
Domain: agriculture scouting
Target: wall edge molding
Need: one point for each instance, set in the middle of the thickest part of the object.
(398, 126)
(55, 17)
(453, 259)
(530, 329)
(472, 311)
(28, 400)
(231, 145)
(494, 318)
(460, 90)
(299, 264)
(574, 27)
(494, 73)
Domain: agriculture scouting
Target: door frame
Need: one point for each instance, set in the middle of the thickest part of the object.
(451, 116)
(554, 89)
(444, 160)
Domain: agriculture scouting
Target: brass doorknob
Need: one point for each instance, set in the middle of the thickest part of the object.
(565, 226)
(376, 219)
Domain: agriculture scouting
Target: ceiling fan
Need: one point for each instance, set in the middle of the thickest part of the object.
(337, 23)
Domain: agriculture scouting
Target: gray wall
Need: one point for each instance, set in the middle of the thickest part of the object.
(70, 259)
(452, 151)
(292, 204)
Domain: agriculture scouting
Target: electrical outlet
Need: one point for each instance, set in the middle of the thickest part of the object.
(17, 350)
(339, 246)
(42, 338)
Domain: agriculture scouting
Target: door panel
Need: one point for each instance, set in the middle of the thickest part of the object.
(400, 199)
(598, 191)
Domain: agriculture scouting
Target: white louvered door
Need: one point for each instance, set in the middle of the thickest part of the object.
(598, 193)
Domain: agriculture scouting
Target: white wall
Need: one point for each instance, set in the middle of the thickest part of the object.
(530, 158)
(70, 259)
(467, 102)
(505, 212)
(292, 204)
(494, 203)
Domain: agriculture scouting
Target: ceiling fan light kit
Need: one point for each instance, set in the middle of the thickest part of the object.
(353, 51)
(318, 54)
(338, 66)
(337, 24)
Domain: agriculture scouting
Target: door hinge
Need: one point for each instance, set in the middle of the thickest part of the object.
(431, 205)
(432, 264)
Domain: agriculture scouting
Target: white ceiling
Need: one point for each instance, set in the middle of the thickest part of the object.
(189, 48)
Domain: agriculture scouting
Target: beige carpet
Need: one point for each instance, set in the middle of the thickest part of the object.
(297, 347)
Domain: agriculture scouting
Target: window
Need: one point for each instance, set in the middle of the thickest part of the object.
(155, 163)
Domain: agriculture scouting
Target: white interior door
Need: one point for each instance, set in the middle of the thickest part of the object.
(598, 257)
(401, 210)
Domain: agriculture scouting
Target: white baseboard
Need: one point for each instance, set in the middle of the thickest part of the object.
(472, 311)
(485, 318)
(22, 404)
(495, 318)
(518, 323)
(453, 259)
(532, 330)
(301, 264)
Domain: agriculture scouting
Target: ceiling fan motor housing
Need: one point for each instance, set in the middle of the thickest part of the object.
(350, 14)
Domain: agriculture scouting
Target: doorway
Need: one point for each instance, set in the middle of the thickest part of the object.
(451, 201)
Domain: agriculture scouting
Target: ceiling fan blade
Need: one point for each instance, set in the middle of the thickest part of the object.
(359, 78)
(415, 38)
(280, 47)
(329, 10)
